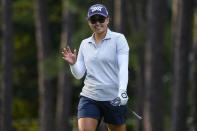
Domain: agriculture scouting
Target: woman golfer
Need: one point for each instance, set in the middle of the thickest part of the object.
(104, 58)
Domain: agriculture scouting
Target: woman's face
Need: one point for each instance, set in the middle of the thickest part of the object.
(98, 23)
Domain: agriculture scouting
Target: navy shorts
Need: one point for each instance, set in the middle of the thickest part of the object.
(115, 115)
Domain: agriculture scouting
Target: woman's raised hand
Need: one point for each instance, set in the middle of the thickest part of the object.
(68, 56)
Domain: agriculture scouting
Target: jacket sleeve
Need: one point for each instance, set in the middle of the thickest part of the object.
(78, 69)
(123, 60)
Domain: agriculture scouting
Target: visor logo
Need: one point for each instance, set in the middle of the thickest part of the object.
(97, 8)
